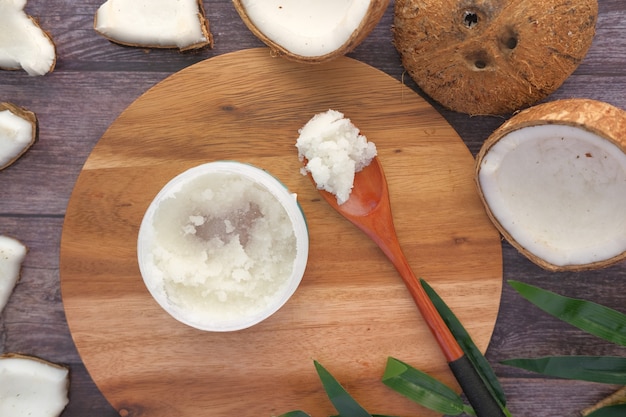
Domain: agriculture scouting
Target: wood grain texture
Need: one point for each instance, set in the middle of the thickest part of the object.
(350, 313)
(94, 81)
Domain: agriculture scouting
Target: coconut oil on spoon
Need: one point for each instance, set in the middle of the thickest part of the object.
(368, 208)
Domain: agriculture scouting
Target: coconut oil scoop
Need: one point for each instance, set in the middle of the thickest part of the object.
(368, 207)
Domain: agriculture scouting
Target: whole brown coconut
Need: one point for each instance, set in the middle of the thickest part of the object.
(492, 56)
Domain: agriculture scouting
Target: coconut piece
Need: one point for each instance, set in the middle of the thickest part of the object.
(18, 132)
(553, 181)
(23, 44)
(32, 387)
(154, 23)
(12, 254)
(492, 56)
(334, 151)
(311, 31)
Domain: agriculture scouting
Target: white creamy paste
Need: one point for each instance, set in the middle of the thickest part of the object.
(224, 247)
(335, 151)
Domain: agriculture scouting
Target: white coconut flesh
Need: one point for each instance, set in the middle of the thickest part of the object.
(12, 254)
(334, 150)
(16, 136)
(32, 387)
(154, 23)
(307, 28)
(23, 44)
(560, 192)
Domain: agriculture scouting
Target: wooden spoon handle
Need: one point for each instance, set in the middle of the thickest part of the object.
(378, 226)
(478, 394)
(448, 344)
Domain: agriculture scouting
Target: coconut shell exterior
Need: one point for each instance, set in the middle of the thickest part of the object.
(600, 118)
(374, 13)
(492, 57)
(28, 116)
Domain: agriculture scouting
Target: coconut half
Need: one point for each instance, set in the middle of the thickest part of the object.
(23, 44)
(553, 181)
(12, 254)
(18, 132)
(311, 30)
(154, 23)
(32, 387)
(492, 56)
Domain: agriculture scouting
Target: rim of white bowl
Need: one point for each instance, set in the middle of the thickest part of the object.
(286, 198)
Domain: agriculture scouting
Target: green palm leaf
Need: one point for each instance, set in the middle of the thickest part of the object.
(296, 413)
(342, 401)
(423, 389)
(593, 318)
(467, 345)
(602, 369)
(610, 411)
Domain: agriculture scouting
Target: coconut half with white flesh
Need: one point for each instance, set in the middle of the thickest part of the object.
(311, 31)
(18, 132)
(23, 43)
(154, 23)
(553, 181)
(32, 387)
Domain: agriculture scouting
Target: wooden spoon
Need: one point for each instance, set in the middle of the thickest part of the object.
(369, 209)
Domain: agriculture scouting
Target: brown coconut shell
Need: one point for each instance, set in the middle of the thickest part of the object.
(600, 118)
(28, 116)
(485, 57)
(374, 13)
(204, 27)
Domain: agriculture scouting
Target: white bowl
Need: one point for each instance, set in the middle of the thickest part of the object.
(204, 246)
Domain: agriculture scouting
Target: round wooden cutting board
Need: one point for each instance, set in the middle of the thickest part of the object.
(351, 311)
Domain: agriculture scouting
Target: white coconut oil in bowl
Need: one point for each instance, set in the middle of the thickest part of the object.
(223, 246)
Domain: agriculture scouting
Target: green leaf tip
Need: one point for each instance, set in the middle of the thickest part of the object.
(339, 397)
(595, 319)
(601, 369)
(610, 411)
(468, 346)
(296, 413)
(423, 389)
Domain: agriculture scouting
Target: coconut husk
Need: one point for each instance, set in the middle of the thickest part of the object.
(600, 118)
(486, 57)
(618, 397)
(375, 12)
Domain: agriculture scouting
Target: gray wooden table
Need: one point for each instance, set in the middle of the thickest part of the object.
(94, 81)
